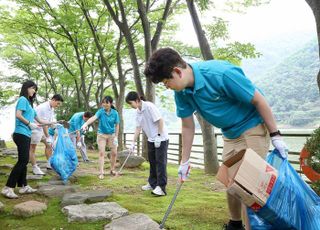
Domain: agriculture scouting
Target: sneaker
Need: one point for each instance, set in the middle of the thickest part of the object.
(101, 176)
(9, 193)
(36, 170)
(27, 189)
(49, 166)
(146, 187)
(158, 191)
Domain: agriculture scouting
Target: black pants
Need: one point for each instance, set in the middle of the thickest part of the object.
(158, 165)
(18, 174)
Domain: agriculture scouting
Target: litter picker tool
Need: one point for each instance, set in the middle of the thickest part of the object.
(124, 163)
(179, 185)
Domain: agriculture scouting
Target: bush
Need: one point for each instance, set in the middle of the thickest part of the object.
(313, 147)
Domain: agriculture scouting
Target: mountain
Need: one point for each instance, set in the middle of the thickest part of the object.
(291, 88)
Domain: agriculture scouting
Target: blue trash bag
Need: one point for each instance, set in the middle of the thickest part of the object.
(292, 203)
(64, 159)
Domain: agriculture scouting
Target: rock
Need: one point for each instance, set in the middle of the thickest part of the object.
(94, 212)
(34, 177)
(6, 166)
(29, 208)
(132, 162)
(136, 221)
(85, 197)
(8, 152)
(56, 190)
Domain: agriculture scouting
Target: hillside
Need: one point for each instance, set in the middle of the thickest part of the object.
(291, 88)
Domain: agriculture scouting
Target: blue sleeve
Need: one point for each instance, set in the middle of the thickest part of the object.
(22, 104)
(183, 106)
(98, 113)
(237, 86)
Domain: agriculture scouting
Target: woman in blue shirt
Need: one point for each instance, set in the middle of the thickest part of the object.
(25, 116)
(107, 134)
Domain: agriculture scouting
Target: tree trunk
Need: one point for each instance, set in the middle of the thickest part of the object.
(211, 162)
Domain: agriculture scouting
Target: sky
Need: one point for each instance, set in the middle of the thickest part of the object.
(280, 17)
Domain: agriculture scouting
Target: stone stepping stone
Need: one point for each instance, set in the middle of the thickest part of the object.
(8, 152)
(34, 177)
(136, 221)
(1, 207)
(6, 166)
(56, 190)
(85, 197)
(94, 212)
(29, 208)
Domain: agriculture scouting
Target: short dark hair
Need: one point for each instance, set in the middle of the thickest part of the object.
(161, 64)
(24, 91)
(57, 97)
(133, 96)
(88, 114)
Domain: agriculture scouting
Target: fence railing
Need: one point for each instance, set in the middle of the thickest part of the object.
(294, 139)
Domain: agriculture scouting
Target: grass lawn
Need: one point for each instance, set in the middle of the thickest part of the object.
(201, 203)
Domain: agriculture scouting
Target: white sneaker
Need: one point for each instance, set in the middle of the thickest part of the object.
(27, 189)
(36, 170)
(158, 191)
(146, 187)
(9, 193)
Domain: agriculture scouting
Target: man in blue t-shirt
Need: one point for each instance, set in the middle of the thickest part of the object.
(222, 94)
(75, 133)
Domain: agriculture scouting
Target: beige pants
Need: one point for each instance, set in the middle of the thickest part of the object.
(256, 138)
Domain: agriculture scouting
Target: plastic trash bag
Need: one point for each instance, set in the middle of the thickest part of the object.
(64, 159)
(292, 203)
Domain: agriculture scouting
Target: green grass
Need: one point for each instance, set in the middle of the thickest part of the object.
(198, 205)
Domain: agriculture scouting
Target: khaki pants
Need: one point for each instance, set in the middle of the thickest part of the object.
(256, 138)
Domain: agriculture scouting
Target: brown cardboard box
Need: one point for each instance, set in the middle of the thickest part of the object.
(248, 177)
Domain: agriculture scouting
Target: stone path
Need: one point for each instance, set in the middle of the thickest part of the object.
(79, 205)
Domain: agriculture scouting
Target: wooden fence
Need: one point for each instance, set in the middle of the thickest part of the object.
(294, 139)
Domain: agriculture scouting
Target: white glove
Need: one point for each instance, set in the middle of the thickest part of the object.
(33, 125)
(115, 141)
(132, 147)
(79, 145)
(49, 140)
(84, 127)
(279, 144)
(157, 141)
(184, 170)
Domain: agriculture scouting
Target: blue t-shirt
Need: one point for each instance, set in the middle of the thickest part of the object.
(222, 94)
(107, 121)
(76, 122)
(28, 113)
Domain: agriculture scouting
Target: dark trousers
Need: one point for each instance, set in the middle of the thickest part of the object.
(18, 174)
(158, 165)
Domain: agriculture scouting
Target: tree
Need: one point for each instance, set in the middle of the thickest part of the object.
(209, 141)
(315, 7)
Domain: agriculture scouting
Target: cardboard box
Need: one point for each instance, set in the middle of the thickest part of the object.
(248, 177)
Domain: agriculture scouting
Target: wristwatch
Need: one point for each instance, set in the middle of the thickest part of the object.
(275, 133)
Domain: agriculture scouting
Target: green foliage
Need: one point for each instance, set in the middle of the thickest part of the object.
(313, 147)
(291, 88)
